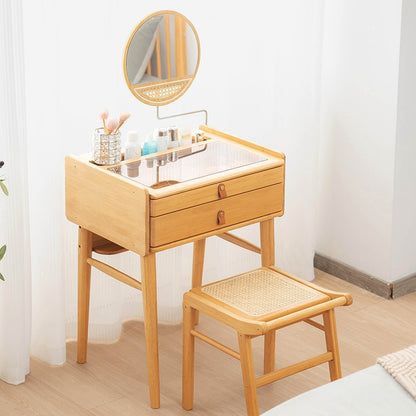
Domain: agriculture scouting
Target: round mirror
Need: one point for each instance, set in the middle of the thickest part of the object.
(161, 58)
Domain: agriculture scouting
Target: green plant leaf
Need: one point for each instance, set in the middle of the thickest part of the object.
(2, 251)
(1, 277)
(4, 188)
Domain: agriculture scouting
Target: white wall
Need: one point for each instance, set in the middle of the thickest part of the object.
(358, 132)
(404, 207)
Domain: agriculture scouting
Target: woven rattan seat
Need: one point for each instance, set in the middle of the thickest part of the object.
(263, 291)
(258, 303)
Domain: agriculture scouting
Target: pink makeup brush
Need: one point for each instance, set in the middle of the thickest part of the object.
(104, 116)
(123, 118)
(112, 124)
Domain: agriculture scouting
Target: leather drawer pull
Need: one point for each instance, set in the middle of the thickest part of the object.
(222, 193)
(221, 217)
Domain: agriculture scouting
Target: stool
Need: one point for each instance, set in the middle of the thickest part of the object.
(258, 303)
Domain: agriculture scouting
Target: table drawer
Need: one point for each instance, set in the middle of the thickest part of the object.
(209, 193)
(200, 219)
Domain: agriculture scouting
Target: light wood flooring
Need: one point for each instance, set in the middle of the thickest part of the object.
(114, 379)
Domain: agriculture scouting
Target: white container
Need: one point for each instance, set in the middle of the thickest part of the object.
(132, 151)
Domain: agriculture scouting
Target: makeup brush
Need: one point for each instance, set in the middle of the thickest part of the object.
(112, 124)
(104, 116)
(123, 118)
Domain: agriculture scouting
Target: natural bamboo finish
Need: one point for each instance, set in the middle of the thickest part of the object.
(107, 204)
(249, 378)
(240, 242)
(332, 344)
(268, 259)
(246, 307)
(148, 268)
(216, 344)
(293, 369)
(84, 285)
(116, 274)
(215, 232)
(188, 365)
(198, 267)
(116, 214)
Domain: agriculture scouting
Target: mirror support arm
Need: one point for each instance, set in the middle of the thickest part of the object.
(182, 114)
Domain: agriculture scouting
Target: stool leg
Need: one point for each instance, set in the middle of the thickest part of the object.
(198, 268)
(269, 351)
(249, 379)
(148, 269)
(268, 259)
(84, 284)
(332, 344)
(188, 357)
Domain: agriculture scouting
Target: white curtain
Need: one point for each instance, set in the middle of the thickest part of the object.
(258, 78)
(15, 296)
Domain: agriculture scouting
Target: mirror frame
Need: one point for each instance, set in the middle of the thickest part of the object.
(155, 93)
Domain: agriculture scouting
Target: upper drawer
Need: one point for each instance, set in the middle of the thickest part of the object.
(210, 193)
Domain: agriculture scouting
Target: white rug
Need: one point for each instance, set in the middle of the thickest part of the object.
(402, 366)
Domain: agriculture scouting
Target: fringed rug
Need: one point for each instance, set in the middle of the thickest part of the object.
(402, 366)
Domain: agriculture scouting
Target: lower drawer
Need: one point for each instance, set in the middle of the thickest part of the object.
(204, 218)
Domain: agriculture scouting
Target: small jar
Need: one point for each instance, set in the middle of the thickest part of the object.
(107, 147)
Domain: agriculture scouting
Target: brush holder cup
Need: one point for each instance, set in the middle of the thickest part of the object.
(107, 147)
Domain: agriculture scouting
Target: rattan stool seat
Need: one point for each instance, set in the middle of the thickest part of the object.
(263, 291)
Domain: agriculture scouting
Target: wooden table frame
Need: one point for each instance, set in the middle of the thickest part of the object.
(86, 202)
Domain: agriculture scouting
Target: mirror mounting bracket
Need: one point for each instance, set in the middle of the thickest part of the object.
(182, 114)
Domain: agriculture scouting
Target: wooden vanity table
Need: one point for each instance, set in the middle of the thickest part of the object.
(165, 200)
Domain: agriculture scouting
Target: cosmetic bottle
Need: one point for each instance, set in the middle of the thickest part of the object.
(131, 151)
(161, 136)
(197, 136)
(173, 142)
(149, 147)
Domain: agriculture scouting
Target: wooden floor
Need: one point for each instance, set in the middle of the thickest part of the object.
(114, 379)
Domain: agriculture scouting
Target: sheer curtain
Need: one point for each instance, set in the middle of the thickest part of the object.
(15, 296)
(258, 79)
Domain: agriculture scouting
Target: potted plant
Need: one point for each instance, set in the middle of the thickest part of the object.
(6, 192)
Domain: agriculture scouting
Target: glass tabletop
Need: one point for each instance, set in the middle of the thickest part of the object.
(177, 166)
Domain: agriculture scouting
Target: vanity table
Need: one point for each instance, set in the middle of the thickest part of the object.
(207, 188)
(155, 202)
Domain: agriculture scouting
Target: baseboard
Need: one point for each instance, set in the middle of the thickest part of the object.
(404, 286)
(354, 276)
(388, 290)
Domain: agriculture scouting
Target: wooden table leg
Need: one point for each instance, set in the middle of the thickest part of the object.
(148, 269)
(268, 259)
(267, 243)
(198, 269)
(84, 284)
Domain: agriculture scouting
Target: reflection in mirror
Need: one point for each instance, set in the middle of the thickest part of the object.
(161, 58)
